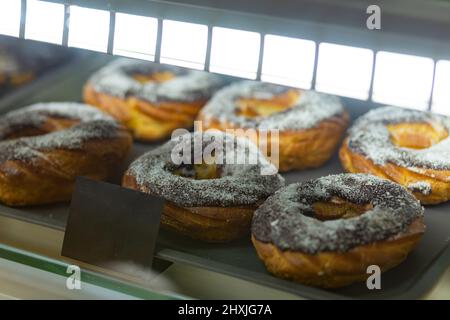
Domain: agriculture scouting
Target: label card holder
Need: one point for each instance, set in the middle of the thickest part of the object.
(112, 227)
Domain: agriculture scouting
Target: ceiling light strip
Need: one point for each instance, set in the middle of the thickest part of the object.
(110, 47)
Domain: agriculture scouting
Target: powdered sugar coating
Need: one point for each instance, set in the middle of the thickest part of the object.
(286, 218)
(188, 85)
(93, 124)
(239, 184)
(311, 108)
(370, 137)
(422, 187)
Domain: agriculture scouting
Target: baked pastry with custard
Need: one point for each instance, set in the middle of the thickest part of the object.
(208, 198)
(21, 61)
(44, 147)
(151, 99)
(310, 124)
(326, 232)
(409, 147)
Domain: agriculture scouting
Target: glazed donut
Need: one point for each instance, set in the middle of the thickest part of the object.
(212, 200)
(44, 147)
(326, 232)
(20, 61)
(409, 147)
(151, 99)
(310, 124)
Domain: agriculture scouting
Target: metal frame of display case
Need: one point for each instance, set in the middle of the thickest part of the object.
(414, 27)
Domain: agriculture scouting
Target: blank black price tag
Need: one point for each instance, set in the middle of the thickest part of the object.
(112, 227)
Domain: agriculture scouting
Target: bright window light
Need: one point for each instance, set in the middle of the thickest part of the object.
(344, 70)
(441, 92)
(10, 17)
(403, 80)
(184, 44)
(45, 21)
(88, 28)
(135, 36)
(235, 52)
(288, 61)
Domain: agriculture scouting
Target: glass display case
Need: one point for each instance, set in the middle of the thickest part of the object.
(369, 55)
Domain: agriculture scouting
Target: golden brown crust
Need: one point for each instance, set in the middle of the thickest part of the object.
(337, 269)
(301, 149)
(210, 224)
(50, 178)
(437, 179)
(147, 121)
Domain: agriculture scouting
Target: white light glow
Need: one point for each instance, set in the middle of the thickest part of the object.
(441, 92)
(184, 44)
(45, 21)
(288, 61)
(344, 70)
(10, 17)
(135, 36)
(88, 28)
(403, 80)
(235, 52)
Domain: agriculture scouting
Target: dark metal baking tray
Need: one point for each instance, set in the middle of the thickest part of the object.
(412, 279)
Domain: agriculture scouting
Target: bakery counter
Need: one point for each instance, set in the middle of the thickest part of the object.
(233, 265)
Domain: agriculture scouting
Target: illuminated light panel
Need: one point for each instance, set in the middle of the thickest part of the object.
(45, 21)
(10, 17)
(235, 52)
(344, 70)
(88, 28)
(135, 36)
(441, 92)
(403, 80)
(184, 44)
(288, 61)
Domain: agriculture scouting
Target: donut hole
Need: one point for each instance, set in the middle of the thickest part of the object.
(51, 124)
(199, 171)
(157, 77)
(338, 208)
(254, 107)
(416, 135)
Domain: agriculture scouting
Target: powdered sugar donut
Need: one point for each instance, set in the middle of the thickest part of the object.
(326, 232)
(151, 99)
(407, 146)
(310, 124)
(44, 147)
(212, 202)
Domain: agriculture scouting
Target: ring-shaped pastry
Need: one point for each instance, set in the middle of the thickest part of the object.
(211, 201)
(326, 232)
(409, 147)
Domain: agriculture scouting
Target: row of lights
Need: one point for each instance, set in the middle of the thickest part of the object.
(398, 79)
